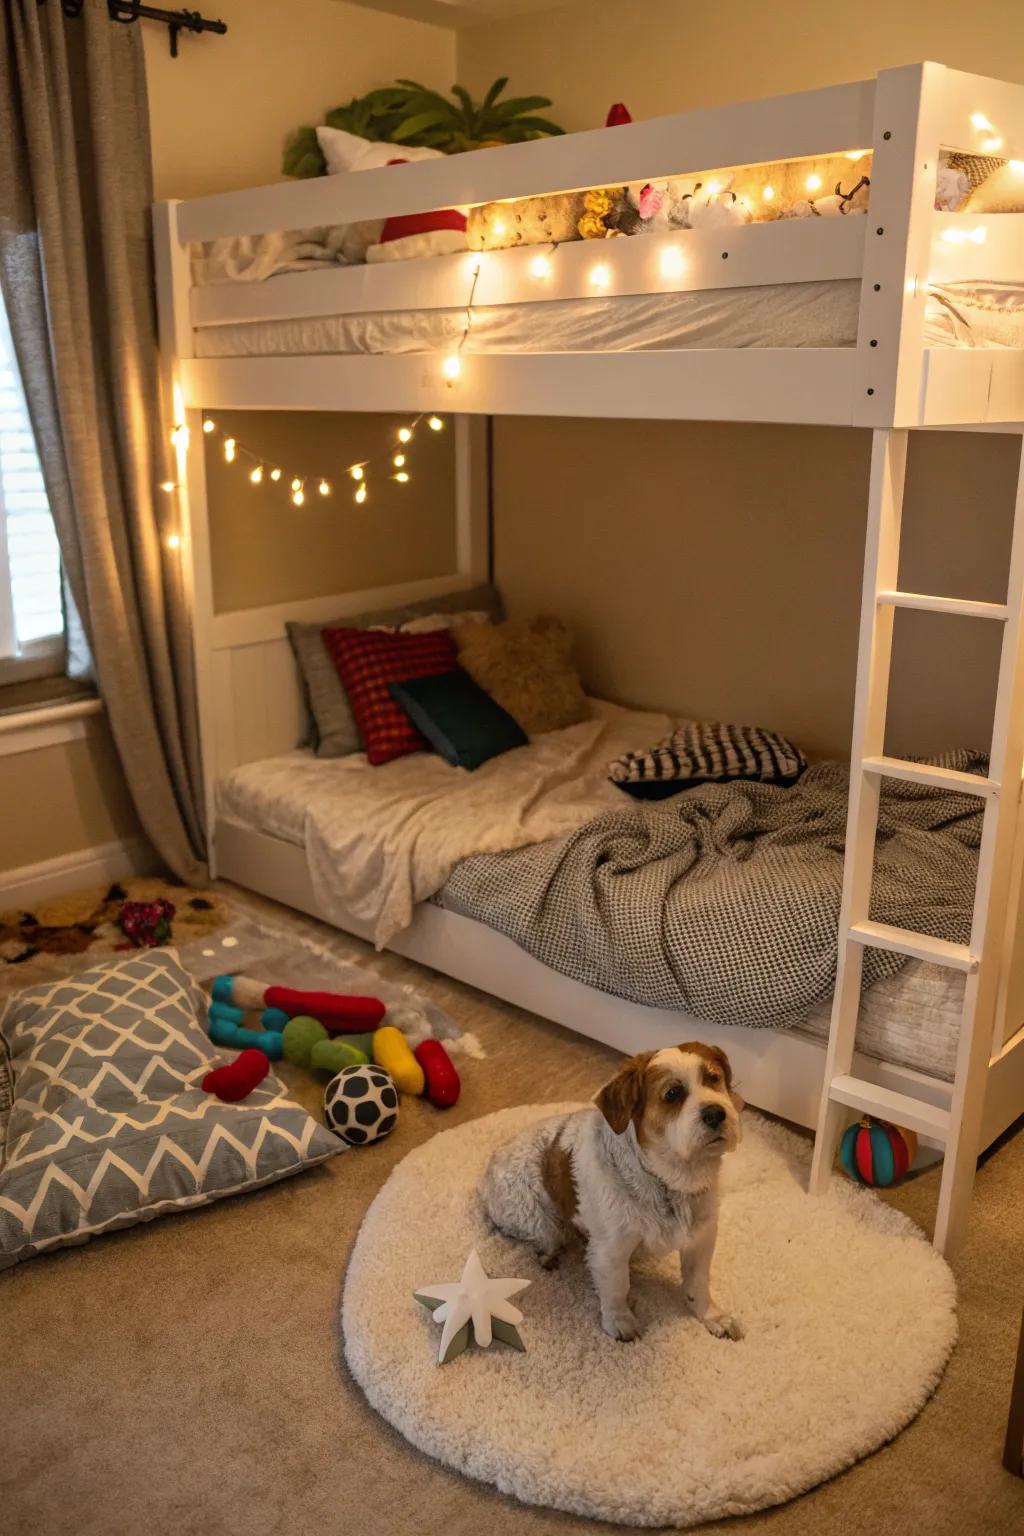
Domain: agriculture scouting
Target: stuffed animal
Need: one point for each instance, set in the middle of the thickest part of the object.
(527, 221)
(238, 1078)
(391, 1051)
(338, 1012)
(877, 1153)
(652, 207)
(443, 1084)
(714, 208)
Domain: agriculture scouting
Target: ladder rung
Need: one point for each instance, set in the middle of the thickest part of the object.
(872, 1099)
(928, 773)
(967, 607)
(921, 946)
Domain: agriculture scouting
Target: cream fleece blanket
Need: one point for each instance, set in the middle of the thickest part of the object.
(389, 837)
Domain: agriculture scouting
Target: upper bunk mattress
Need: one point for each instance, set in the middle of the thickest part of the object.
(720, 902)
(775, 315)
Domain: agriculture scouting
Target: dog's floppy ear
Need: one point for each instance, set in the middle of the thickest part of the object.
(622, 1100)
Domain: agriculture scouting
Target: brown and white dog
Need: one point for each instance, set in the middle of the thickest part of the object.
(637, 1170)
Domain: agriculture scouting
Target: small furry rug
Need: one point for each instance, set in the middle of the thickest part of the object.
(850, 1319)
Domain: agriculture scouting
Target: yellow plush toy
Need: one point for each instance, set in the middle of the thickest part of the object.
(391, 1051)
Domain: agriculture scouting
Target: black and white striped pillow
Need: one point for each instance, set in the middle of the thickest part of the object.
(707, 752)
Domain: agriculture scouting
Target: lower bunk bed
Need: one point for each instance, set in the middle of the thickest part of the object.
(712, 914)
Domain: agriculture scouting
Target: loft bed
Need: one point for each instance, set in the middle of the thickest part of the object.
(847, 305)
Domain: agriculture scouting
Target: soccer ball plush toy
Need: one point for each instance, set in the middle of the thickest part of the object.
(361, 1104)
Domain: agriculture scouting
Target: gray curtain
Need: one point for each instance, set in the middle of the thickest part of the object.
(76, 276)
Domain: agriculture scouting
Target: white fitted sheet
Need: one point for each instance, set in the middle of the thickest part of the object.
(777, 315)
(910, 1019)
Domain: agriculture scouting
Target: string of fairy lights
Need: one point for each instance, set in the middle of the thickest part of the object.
(261, 468)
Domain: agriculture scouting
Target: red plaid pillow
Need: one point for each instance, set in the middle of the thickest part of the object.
(367, 661)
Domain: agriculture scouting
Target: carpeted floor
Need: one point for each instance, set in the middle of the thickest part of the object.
(185, 1377)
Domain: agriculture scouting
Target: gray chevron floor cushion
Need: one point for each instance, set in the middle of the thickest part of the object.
(108, 1123)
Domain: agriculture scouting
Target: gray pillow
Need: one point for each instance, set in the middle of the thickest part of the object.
(335, 733)
(109, 1124)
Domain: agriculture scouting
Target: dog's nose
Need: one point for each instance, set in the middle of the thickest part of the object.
(712, 1115)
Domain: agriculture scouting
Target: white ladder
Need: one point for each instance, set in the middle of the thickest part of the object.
(957, 1128)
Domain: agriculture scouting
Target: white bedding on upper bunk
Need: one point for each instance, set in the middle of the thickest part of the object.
(379, 840)
(776, 315)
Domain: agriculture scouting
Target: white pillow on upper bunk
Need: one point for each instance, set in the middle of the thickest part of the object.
(345, 152)
(348, 152)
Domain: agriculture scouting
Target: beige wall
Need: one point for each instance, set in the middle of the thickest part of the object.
(221, 112)
(264, 550)
(716, 569)
(672, 55)
(60, 799)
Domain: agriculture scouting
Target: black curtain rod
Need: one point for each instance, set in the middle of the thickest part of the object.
(131, 10)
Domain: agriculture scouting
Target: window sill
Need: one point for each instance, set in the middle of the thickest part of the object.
(46, 725)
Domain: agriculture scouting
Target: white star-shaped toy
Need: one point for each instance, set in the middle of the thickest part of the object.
(476, 1301)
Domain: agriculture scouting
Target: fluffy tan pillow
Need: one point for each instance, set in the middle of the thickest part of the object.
(526, 667)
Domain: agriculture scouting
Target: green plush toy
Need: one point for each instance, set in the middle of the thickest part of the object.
(307, 1044)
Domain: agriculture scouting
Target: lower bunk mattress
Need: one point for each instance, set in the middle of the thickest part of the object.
(815, 314)
(721, 902)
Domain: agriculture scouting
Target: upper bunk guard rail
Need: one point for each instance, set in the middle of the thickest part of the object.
(836, 117)
(747, 256)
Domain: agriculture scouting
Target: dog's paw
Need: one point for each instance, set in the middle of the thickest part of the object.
(723, 1326)
(621, 1325)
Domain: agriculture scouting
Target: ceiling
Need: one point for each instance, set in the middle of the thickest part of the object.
(461, 13)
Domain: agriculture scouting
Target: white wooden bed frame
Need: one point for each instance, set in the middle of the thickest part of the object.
(890, 382)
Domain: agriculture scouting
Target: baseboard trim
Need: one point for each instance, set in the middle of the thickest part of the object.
(71, 872)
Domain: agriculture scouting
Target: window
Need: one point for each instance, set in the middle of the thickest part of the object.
(31, 596)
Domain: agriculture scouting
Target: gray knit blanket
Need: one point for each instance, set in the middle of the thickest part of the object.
(724, 901)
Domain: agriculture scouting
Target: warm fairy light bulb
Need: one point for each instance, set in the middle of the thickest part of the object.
(296, 484)
(229, 449)
(174, 541)
(275, 474)
(298, 496)
(168, 486)
(361, 494)
(672, 262)
(991, 145)
(813, 182)
(714, 187)
(540, 266)
(981, 122)
(256, 475)
(500, 228)
(978, 235)
(855, 154)
(405, 434)
(324, 488)
(600, 275)
(435, 423)
(1017, 167)
(179, 435)
(398, 460)
(954, 236)
(768, 193)
(401, 477)
(209, 425)
(356, 471)
(451, 367)
(473, 266)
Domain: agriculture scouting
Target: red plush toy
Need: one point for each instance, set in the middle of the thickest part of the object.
(338, 1012)
(238, 1079)
(442, 1079)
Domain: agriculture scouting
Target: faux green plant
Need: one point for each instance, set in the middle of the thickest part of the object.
(410, 113)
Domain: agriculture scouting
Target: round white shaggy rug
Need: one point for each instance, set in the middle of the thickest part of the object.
(849, 1316)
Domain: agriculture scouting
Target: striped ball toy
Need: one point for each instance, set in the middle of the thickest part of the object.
(876, 1153)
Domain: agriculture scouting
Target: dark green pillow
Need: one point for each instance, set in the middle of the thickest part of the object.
(462, 723)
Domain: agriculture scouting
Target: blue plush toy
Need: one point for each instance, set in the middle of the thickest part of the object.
(225, 1028)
